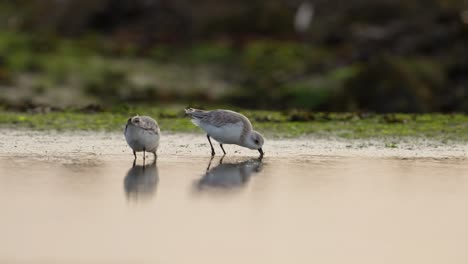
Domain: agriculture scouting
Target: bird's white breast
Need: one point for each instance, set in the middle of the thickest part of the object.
(140, 139)
(227, 134)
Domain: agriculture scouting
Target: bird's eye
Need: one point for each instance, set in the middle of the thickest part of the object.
(137, 120)
(256, 141)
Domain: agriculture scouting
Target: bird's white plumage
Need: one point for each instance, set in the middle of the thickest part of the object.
(227, 134)
(140, 139)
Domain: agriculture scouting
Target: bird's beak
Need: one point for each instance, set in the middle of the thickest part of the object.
(261, 152)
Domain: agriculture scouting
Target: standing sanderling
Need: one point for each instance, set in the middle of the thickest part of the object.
(227, 127)
(142, 134)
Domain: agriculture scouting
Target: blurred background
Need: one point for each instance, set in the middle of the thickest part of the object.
(322, 55)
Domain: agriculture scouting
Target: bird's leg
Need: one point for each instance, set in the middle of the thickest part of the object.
(134, 154)
(211, 145)
(144, 156)
(222, 149)
(155, 156)
(221, 160)
(261, 153)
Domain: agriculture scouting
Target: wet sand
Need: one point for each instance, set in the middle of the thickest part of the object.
(77, 198)
(67, 146)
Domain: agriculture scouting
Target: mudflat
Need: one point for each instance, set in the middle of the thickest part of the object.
(108, 145)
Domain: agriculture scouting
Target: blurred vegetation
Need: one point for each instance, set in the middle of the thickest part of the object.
(273, 124)
(357, 55)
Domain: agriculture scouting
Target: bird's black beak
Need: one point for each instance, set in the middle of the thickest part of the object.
(261, 152)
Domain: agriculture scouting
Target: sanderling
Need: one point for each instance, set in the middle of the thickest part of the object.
(142, 134)
(227, 127)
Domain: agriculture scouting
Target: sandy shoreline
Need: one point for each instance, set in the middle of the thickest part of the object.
(110, 145)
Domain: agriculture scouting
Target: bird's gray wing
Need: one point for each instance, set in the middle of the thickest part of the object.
(218, 117)
(148, 123)
(222, 117)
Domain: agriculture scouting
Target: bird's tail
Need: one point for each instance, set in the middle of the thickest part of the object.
(196, 113)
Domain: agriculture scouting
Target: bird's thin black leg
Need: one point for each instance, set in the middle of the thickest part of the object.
(222, 149)
(144, 156)
(211, 145)
(134, 155)
(155, 156)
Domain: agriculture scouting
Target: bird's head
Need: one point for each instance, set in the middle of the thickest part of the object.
(255, 141)
(134, 120)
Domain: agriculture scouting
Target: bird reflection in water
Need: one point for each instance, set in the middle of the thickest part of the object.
(141, 181)
(229, 175)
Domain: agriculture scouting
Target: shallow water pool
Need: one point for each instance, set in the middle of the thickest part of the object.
(312, 209)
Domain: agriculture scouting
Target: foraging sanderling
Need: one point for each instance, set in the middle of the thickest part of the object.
(142, 134)
(227, 127)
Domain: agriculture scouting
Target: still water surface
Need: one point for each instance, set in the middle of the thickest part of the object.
(302, 210)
